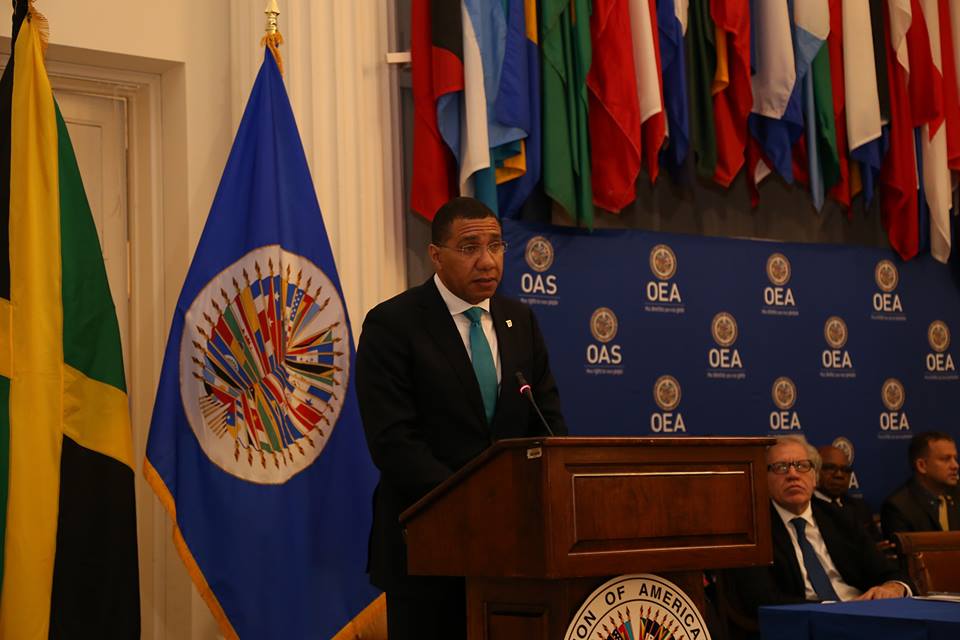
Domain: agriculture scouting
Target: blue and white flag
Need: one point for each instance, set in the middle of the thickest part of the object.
(256, 448)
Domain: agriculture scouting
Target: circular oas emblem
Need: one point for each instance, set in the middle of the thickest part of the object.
(603, 324)
(778, 269)
(784, 393)
(638, 607)
(666, 392)
(938, 334)
(264, 364)
(724, 329)
(893, 394)
(835, 332)
(886, 275)
(846, 446)
(663, 262)
(539, 253)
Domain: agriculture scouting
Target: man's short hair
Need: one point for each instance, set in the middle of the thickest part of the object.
(460, 207)
(812, 452)
(920, 445)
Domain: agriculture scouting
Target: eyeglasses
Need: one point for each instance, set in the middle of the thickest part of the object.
(496, 248)
(830, 467)
(782, 468)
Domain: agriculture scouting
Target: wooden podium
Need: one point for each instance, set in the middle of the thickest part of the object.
(536, 524)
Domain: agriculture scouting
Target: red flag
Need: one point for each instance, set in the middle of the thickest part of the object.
(732, 105)
(614, 118)
(435, 72)
(654, 128)
(898, 175)
(840, 191)
(951, 96)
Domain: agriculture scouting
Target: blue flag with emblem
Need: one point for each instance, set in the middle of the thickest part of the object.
(256, 448)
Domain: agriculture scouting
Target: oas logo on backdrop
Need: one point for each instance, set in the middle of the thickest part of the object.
(724, 360)
(845, 445)
(604, 357)
(835, 361)
(667, 394)
(784, 417)
(886, 302)
(638, 607)
(539, 287)
(939, 361)
(663, 295)
(778, 298)
(893, 421)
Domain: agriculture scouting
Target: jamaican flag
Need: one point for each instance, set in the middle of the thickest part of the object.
(68, 554)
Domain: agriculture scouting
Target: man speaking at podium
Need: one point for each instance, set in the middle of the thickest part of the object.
(439, 371)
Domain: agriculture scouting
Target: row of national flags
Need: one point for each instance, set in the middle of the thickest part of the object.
(845, 98)
(255, 447)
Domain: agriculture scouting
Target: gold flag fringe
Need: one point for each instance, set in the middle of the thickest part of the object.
(273, 42)
(41, 24)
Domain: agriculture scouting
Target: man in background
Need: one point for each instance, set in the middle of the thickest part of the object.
(817, 555)
(437, 382)
(929, 500)
(833, 485)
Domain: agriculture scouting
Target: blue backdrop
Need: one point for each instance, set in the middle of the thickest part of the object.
(662, 334)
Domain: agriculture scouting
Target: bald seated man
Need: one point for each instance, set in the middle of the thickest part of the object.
(817, 554)
(832, 489)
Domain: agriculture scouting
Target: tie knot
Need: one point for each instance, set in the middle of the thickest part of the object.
(474, 314)
(800, 525)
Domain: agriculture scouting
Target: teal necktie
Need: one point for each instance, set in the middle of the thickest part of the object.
(482, 362)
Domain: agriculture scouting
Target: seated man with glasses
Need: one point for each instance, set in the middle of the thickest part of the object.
(817, 555)
(832, 489)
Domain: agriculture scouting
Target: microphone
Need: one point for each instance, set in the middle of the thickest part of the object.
(527, 392)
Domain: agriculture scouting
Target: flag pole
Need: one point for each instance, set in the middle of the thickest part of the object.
(272, 38)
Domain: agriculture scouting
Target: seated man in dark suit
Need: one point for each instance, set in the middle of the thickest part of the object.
(833, 484)
(929, 500)
(437, 384)
(817, 555)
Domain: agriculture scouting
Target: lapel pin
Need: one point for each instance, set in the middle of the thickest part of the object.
(509, 323)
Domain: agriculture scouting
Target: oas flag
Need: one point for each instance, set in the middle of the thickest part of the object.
(255, 446)
(68, 546)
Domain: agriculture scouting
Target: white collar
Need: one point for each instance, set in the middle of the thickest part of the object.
(787, 516)
(455, 304)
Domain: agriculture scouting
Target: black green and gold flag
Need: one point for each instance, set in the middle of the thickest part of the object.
(67, 519)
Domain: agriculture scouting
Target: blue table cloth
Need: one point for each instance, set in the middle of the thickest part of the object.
(899, 619)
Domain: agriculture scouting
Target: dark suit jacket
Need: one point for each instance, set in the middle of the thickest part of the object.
(913, 508)
(853, 553)
(422, 410)
(856, 512)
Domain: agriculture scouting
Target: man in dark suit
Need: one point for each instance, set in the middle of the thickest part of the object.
(817, 555)
(437, 384)
(833, 485)
(929, 501)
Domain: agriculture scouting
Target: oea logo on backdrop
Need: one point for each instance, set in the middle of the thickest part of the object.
(894, 419)
(539, 287)
(663, 296)
(784, 394)
(836, 361)
(604, 357)
(845, 445)
(886, 302)
(638, 607)
(778, 299)
(724, 360)
(940, 364)
(666, 393)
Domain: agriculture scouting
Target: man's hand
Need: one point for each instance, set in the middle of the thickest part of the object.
(883, 591)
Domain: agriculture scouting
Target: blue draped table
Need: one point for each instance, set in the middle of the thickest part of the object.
(900, 619)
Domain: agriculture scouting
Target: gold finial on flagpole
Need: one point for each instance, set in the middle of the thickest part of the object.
(272, 38)
(272, 12)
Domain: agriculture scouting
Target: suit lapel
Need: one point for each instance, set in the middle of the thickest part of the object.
(443, 330)
(783, 547)
(508, 354)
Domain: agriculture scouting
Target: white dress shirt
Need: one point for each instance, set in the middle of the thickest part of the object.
(457, 306)
(812, 533)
